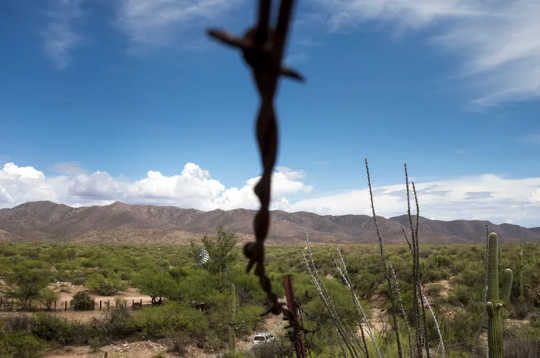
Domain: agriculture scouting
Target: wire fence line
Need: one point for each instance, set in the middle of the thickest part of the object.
(13, 305)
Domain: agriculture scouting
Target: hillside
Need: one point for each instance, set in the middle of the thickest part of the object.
(144, 223)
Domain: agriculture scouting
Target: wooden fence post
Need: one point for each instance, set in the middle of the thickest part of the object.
(298, 334)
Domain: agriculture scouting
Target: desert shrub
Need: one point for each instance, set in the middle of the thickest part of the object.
(178, 273)
(197, 286)
(265, 350)
(522, 347)
(61, 331)
(106, 286)
(48, 297)
(460, 295)
(161, 321)
(221, 251)
(157, 284)
(106, 268)
(82, 301)
(180, 343)
(20, 322)
(247, 287)
(460, 331)
(434, 290)
(20, 344)
(471, 277)
(247, 319)
(26, 281)
(118, 323)
(51, 328)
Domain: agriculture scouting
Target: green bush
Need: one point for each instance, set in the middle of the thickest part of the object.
(82, 301)
(48, 297)
(105, 286)
(61, 331)
(157, 284)
(51, 328)
(20, 344)
(161, 321)
(26, 281)
(118, 323)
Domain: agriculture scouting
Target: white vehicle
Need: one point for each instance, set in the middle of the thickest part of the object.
(262, 338)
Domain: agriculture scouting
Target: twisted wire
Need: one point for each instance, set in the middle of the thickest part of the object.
(262, 50)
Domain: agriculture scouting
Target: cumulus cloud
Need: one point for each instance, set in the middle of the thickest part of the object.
(20, 184)
(153, 21)
(193, 187)
(483, 197)
(499, 41)
(59, 36)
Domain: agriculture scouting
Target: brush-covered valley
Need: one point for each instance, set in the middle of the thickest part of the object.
(141, 300)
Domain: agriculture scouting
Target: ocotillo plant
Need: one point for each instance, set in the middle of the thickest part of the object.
(521, 286)
(494, 302)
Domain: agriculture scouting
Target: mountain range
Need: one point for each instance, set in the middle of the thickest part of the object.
(125, 223)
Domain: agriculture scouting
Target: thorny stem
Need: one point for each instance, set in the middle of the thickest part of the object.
(441, 341)
(416, 298)
(402, 309)
(345, 276)
(419, 271)
(395, 325)
(326, 298)
(328, 304)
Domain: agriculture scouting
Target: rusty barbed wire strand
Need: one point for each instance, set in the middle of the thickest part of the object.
(262, 49)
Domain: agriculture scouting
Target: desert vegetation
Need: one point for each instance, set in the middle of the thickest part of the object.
(216, 306)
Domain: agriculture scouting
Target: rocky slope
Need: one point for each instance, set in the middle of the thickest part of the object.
(143, 223)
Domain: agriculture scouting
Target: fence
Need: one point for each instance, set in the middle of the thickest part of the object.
(13, 305)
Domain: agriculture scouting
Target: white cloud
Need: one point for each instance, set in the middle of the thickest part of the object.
(408, 13)
(59, 36)
(153, 21)
(20, 184)
(499, 41)
(483, 197)
(192, 188)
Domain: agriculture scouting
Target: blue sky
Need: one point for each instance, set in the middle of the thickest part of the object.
(129, 100)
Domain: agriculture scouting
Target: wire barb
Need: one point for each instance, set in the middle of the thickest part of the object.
(262, 49)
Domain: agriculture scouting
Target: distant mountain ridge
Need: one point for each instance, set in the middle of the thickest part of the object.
(121, 222)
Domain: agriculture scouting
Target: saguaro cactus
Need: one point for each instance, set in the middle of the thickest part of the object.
(521, 285)
(494, 301)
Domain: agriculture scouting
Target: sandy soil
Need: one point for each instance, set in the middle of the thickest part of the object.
(67, 291)
(140, 349)
(445, 287)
